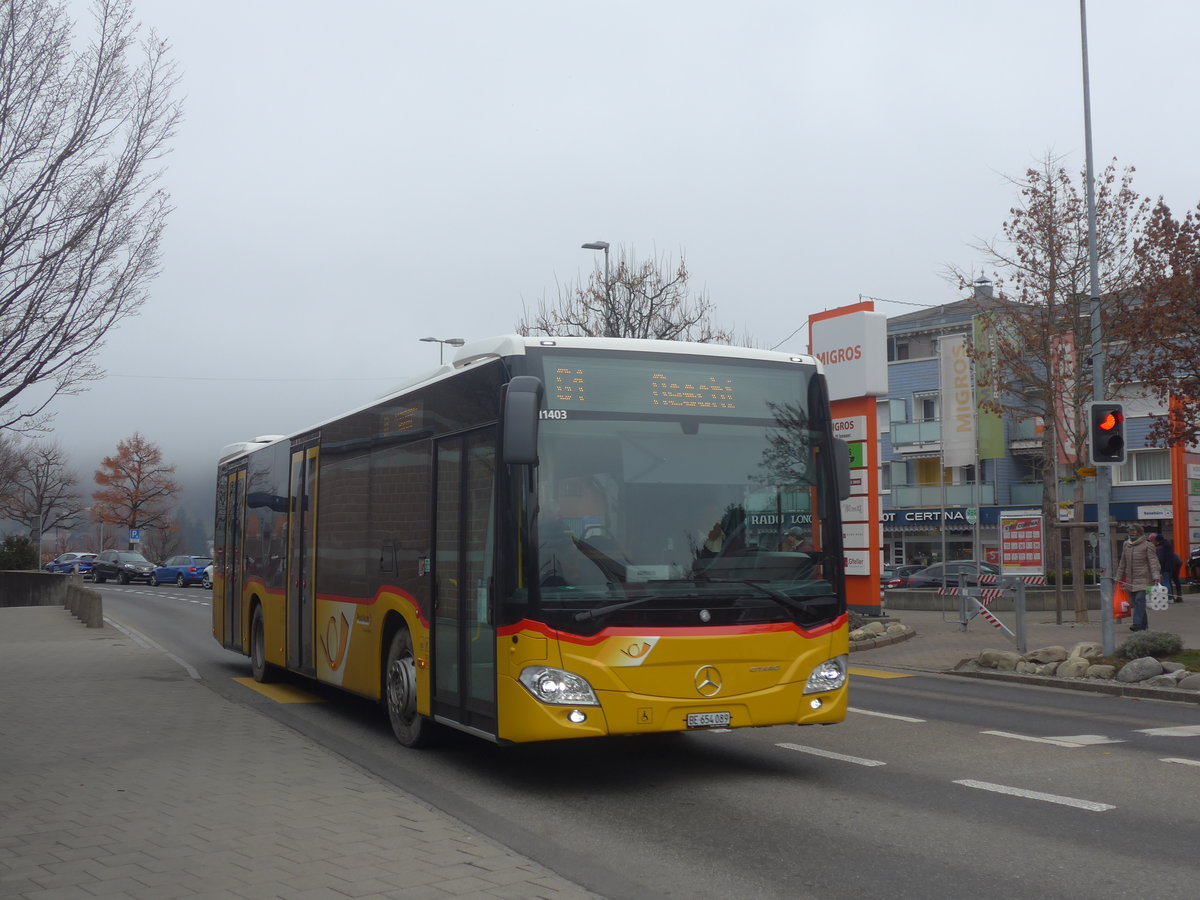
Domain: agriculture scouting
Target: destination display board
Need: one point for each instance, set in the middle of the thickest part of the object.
(677, 386)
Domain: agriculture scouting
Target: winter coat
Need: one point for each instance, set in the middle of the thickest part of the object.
(1138, 568)
(1168, 561)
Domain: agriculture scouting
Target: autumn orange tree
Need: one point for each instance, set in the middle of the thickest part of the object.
(1159, 326)
(136, 487)
(1038, 362)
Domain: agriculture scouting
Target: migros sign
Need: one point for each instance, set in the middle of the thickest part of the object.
(853, 350)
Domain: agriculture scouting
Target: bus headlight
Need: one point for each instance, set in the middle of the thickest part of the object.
(828, 676)
(558, 687)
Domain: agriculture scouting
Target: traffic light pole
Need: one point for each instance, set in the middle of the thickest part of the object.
(1103, 472)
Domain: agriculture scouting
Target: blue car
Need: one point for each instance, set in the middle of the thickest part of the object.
(67, 563)
(181, 570)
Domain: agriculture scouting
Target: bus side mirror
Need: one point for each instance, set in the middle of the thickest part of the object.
(841, 461)
(522, 405)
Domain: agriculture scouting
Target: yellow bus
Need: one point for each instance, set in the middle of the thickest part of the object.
(552, 538)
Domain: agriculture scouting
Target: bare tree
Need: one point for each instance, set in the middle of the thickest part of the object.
(42, 493)
(136, 488)
(81, 136)
(1039, 362)
(163, 542)
(647, 299)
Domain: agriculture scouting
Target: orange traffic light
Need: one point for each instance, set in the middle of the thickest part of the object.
(1106, 433)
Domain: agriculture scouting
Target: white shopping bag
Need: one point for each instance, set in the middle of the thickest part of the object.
(1158, 598)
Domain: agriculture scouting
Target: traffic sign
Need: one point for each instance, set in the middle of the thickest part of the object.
(135, 535)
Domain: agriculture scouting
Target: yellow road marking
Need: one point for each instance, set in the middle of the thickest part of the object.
(280, 693)
(878, 673)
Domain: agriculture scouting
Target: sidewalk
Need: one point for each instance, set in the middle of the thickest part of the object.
(940, 643)
(120, 776)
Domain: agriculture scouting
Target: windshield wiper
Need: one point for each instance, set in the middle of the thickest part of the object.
(612, 607)
(791, 603)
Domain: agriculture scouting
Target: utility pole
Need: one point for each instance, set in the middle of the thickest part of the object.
(1103, 473)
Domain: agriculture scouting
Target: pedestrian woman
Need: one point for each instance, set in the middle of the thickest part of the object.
(1138, 571)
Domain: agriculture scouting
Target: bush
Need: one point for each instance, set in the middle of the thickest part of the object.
(1089, 577)
(17, 552)
(1151, 643)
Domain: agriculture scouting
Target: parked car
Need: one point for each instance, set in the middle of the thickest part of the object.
(123, 566)
(183, 570)
(66, 563)
(206, 581)
(937, 574)
(898, 574)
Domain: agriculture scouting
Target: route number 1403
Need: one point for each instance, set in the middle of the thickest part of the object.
(552, 414)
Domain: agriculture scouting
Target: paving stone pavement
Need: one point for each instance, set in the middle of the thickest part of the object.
(121, 776)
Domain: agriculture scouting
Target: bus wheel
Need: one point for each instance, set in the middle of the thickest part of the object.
(259, 668)
(400, 693)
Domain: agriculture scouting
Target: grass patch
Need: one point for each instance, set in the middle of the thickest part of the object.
(1190, 659)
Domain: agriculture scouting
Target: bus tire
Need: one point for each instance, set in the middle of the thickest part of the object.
(259, 667)
(400, 693)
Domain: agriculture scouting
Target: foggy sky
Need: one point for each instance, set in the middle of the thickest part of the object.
(349, 178)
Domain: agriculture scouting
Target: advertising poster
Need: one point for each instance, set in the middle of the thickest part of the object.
(1022, 547)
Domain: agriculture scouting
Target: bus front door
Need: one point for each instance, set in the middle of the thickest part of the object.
(464, 638)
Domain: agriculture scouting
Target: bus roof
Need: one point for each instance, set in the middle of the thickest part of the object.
(516, 345)
(504, 345)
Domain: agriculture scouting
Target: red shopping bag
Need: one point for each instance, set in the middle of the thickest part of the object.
(1120, 601)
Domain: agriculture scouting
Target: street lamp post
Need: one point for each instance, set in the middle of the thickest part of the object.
(1103, 473)
(442, 342)
(602, 245)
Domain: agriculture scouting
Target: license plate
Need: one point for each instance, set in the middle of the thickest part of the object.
(707, 720)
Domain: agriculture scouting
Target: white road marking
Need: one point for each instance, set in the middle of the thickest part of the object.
(1176, 731)
(1182, 762)
(1087, 740)
(882, 715)
(1090, 805)
(144, 641)
(829, 754)
(1054, 742)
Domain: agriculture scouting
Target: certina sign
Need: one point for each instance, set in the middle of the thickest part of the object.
(853, 349)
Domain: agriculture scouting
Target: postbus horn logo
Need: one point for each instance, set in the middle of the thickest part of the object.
(336, 636)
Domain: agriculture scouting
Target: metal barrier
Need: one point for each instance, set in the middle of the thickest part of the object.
(974, 601)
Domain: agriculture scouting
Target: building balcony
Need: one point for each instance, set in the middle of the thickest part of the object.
(1031, 494)
(1026, 436)
(909, 436)
(933, 495)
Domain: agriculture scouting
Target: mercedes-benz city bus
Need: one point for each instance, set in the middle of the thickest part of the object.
(553, 538)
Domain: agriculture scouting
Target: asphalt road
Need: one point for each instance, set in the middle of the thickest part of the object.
(935, 786)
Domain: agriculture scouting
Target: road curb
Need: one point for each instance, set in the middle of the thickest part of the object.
(1113, 688)
(883, 640)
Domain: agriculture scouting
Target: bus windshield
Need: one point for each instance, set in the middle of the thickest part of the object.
(691, 516)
